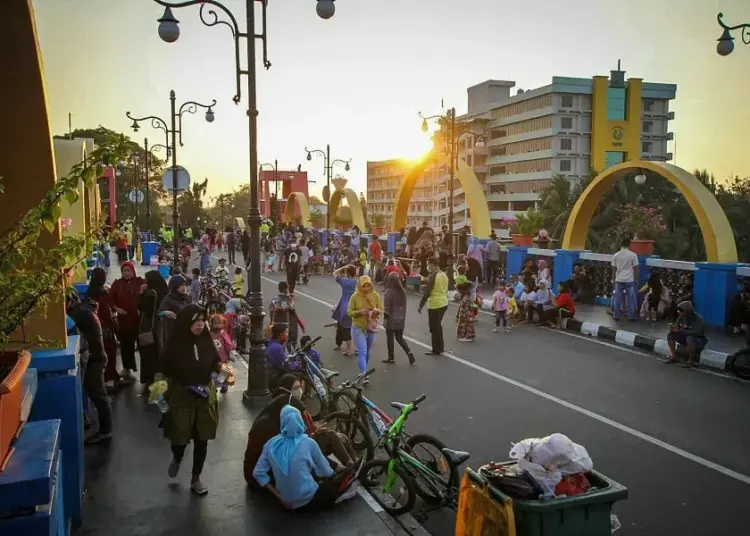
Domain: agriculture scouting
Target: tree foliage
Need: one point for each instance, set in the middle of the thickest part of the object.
(191, 205)
(31, 274)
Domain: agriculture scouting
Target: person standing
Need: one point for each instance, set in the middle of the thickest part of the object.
(293, 261)
(364, 309)
(96, 293)
(494, 252)
(245, 247)
(193, 415)
(445, 247)
(394, 313)
(435, 296)
(125, 295)
(153, 293)
(346, 277)
(625, 274)
(375, 253)
(231, 246)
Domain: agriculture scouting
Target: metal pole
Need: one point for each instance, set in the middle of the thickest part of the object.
(328, 183)
(276, 176)
(148, 189)
(175, 214)
(257, 386)
(452, 141)
(136, 168)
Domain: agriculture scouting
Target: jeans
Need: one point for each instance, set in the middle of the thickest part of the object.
(630, 303)
(435, 322)
(363, 340)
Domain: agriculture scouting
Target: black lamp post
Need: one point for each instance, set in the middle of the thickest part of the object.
(148, 154)
(328, 170)
(725, 44)
(275, 167)
(169, 31)
(175, 130)
(453, 136)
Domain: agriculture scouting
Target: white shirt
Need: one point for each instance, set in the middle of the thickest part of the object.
(624, 262)
(528, 296)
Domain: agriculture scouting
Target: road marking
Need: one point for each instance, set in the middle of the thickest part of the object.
(745, 479)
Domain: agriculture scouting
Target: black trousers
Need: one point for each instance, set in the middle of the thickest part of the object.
(342, 335)
(149, 362)
(329, 490)
(291, 279)
(128, 339)
(231, 252)
(443, 260)
(492, 271)
(435, 322)
(398, 334)
(96, 390)
(200, 451)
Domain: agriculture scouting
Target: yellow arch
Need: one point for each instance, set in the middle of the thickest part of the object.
(358, 216)
(717, 233)
(297, 199)
(473, 189)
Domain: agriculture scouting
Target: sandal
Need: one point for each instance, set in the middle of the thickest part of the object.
(671, 360)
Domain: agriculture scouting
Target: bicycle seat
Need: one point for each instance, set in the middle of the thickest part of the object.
(400, 406)
(456, 457)
(329, 374)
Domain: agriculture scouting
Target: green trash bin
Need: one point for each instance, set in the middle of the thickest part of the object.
(587, 514)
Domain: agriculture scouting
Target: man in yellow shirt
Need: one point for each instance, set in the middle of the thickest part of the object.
(435, 295)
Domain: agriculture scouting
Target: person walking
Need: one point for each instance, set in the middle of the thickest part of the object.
(346, 277)
(153, 293)
(364, 309)
(231, 246)
(625, 274)
(494, 251)
(193, 415)
(97, 293)
(293, 262)
(245, 247)
(125, 295)
(394, 313)
(435, 296)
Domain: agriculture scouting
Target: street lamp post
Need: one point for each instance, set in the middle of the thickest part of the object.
(328, 169)
(169, 31)
(175, 131)
(275, 167)
(453, 136)
(148, 154)
(725, 45)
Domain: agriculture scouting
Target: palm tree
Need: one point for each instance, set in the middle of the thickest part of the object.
(556, 202)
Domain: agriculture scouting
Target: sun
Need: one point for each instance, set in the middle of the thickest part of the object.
(415, 147)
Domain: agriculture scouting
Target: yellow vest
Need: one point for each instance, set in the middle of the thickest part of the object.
(439, 295)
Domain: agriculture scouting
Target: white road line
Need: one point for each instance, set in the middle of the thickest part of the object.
(574, 407)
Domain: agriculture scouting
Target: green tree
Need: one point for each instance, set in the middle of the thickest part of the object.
(191, 205)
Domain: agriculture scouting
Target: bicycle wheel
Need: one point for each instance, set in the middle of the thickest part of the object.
(214, 307)
(311, 399)
(402, 495)
(739, 363)
(428, 450)
(344, 400)
(345, 423)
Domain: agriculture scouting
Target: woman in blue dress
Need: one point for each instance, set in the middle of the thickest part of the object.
(346, 277)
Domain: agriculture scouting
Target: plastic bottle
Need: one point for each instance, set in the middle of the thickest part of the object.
(221, 378)
(379, 423)
(161, 403)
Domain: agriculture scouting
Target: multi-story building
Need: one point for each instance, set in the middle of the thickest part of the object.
(567, 128)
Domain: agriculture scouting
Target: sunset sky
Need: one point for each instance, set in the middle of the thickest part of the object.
(357, 81)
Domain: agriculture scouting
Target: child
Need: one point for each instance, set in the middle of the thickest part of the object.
(270, 261)
(465, 329)
(500, 307)
(283, 312)
(312, 353)
(327, 262)
(527, 303)
(195, 286)
(222, 272)
(238, 285)
(223, 344)
(512, 307)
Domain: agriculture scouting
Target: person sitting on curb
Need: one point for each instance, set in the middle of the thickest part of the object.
(689, 331)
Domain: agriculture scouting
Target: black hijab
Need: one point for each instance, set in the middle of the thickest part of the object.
(155, 282)
(96, 285)
(190, 359)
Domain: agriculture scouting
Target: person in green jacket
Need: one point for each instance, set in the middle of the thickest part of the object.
(435, 296)
(365, 308)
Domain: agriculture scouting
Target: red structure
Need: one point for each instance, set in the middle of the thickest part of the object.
(281, 184)
(108, 194)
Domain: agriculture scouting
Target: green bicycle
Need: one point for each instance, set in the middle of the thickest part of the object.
(402, 474)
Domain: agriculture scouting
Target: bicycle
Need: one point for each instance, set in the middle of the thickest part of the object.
(378, 423)
(404, 466)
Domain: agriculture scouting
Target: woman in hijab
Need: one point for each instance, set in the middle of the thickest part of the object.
(346, 277)
(193, 415)
(476, 252)
(303, 478)
(154, 292)
(125, 295)
(394, 312)
(105, 313)
(364, 309)
(178, 297)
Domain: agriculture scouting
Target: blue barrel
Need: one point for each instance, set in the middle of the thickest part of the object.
(148, 249)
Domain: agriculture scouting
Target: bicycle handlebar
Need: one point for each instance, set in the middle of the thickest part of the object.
(421, 398)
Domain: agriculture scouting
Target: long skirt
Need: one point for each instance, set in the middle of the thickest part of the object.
(465, 328)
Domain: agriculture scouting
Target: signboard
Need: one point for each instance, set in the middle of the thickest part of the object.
(183, 180)
(136, 196)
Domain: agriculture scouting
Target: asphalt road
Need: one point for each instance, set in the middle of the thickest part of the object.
(678, 439)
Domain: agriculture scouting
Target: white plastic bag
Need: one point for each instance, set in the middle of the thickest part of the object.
(550, 458)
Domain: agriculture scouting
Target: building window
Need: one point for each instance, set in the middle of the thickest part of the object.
(566, 144)
(647, 147)
(566, 165)
(648, 105)
(566, 123)
(648, 126)
(567, 101)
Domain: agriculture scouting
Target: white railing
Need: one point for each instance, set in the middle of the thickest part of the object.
(541, 252)
(596, 257)
(743, 271)
(673, 265)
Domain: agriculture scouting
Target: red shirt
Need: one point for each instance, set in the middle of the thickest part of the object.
(126, 294)
(376, 252)
(566, 302)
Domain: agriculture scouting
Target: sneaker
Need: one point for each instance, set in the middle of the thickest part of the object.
(507, 330)
(411, 359)
(174, 467)
(98, 438)
(495, 329)
(349, 493)
(197, 486)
